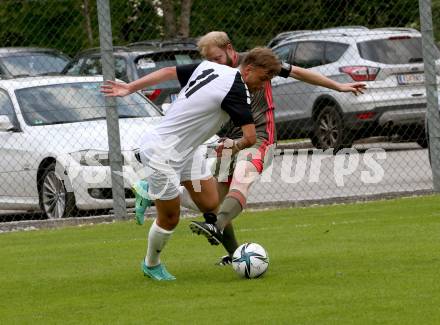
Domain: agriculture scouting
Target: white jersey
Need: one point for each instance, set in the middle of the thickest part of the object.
(211, 94)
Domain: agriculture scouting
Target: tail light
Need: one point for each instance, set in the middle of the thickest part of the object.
(361, 73)
(366, 115)
(152, 94)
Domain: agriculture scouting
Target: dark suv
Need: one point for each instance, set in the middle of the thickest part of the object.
(138, 59)
(30, 61)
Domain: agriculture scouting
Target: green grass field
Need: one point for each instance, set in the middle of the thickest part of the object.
(372, 263)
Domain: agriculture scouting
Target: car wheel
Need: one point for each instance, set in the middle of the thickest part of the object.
(329, 132)
(55, 201)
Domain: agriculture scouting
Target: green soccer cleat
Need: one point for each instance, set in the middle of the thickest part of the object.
(140, 190)
(158, 272)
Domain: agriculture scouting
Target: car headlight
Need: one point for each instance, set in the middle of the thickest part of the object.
(93, 158)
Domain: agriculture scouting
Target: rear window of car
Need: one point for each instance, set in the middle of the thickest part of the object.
(76, 102)
(284, 51)
(393, 50)
(34, 63)
(309, 54)
(333, 51)
(155, 61)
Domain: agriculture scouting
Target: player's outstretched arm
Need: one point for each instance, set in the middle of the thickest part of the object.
(315, 78)
(119, 89)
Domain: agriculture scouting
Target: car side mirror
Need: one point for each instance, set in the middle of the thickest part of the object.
(6, 124)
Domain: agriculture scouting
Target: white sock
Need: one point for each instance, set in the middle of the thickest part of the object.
(186, 200)
(157, 239)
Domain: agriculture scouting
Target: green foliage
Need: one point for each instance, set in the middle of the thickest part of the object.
(61, 23)
(41, 23)
(255, 22)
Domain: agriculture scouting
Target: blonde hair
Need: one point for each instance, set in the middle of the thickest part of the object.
(216, 38)
(263, 57)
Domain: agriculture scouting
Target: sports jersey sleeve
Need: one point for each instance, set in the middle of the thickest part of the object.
(237, 103)
(184, 72)
(285, 69)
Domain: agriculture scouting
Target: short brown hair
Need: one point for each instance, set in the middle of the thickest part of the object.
(263, 57)
(216, 38)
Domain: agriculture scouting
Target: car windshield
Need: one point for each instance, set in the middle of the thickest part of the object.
(34, 64)
(394, 50)
(76, 102)
(152, 62)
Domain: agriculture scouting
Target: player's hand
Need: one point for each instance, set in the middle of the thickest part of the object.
(355, 87)
(221, 145)
(115, 89)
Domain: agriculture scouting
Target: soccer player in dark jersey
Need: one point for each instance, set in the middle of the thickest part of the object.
(211, 94)
(248, 163)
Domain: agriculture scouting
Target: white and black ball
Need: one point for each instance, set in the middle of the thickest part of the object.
(250, 260)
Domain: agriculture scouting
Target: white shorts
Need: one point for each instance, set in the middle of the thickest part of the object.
(164, 180)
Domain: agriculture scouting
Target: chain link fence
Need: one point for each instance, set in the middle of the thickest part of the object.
(55, 155)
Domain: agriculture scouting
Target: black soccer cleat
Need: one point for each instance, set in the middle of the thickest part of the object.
(210, 231)
(224, 261)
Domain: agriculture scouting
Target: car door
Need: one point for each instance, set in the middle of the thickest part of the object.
(17, 185)
(293, 98)
(284, 94)
(74, 67)
(92, 66)
(308, 55)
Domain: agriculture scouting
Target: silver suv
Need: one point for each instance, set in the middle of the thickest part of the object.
(388, 60)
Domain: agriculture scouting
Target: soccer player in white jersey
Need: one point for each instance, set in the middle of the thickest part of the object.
(210, 95)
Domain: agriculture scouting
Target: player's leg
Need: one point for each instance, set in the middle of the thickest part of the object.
(204, 195)
(159, 234)
(245, 174)
(142, 200)
(222, 189)
(167, 204)
(232, 206)
(186, 200)
(233, 203)
(229, 240)
(250, 163)
(200, 186)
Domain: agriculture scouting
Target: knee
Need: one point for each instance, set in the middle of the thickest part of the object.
(168, 222)
(209, 206)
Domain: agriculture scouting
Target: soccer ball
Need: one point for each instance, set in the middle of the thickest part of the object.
(250, 260)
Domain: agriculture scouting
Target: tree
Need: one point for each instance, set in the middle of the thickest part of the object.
(174, 27)
(87, 21)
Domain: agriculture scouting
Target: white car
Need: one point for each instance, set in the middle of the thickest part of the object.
(54, 147)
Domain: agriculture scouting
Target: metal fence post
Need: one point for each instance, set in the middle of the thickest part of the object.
(108, 70)
(432, 112)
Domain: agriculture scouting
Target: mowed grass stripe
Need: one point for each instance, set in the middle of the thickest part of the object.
(369, 263)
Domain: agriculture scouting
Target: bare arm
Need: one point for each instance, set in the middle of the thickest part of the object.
(318, 79)
(247, 140)
(113, 88)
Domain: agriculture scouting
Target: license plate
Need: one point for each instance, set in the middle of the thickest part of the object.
(173, 97)
(409, 79)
